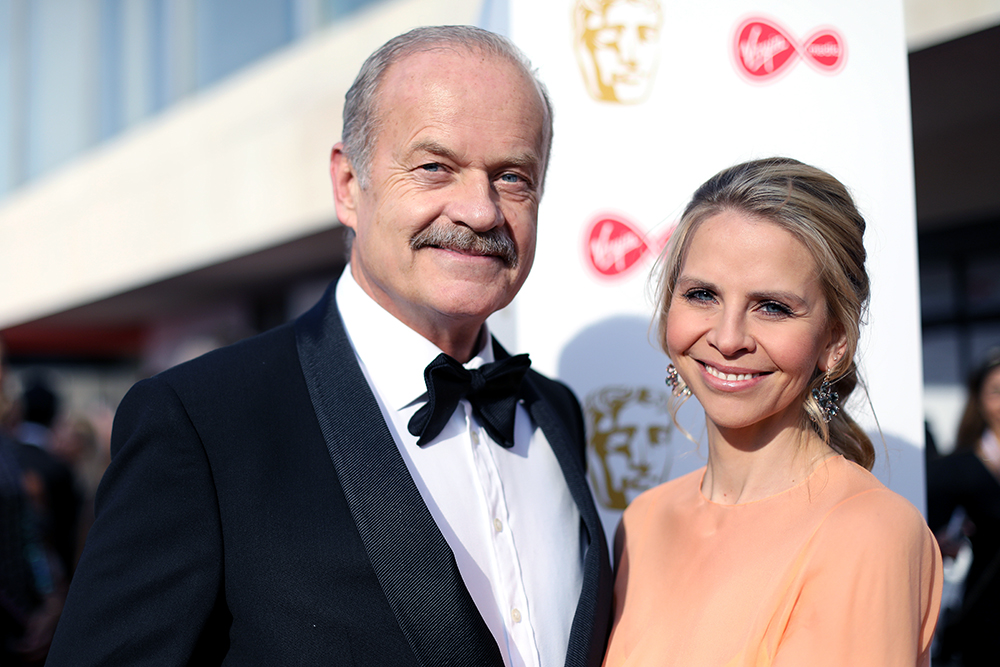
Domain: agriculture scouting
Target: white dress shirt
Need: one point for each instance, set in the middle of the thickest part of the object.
(507, 514)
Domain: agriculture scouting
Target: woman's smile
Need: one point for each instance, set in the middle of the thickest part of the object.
(748, 326)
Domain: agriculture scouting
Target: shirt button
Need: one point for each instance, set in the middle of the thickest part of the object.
(498, 525)
(475, 438)
(515, 615)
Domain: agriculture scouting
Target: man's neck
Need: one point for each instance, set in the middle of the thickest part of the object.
(461, 346)
(460, 339)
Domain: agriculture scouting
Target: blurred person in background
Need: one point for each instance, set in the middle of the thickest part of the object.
(31, 590)
(39, 406)
(969, 479)
(79, 443)
(50, 482)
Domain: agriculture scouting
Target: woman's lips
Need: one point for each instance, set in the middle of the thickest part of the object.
(729, 377)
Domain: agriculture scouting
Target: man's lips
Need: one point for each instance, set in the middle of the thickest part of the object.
(466, 251)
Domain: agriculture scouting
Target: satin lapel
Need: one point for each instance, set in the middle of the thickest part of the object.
(413, 562)
(589, 632)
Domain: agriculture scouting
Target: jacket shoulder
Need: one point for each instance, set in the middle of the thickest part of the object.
(260, 353)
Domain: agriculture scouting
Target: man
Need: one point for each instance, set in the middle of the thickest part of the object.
(304, 497)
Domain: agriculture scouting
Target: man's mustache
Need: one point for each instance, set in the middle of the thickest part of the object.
(495, 242)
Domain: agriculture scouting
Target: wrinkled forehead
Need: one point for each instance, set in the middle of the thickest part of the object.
(467, 64)
(463, 61)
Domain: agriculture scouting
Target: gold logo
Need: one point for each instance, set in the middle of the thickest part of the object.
(617, 45)
(628, 451)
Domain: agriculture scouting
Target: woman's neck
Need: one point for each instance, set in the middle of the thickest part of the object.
(751, 463)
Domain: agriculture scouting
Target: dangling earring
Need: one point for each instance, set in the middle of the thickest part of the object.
(676, 383)
(826, 396)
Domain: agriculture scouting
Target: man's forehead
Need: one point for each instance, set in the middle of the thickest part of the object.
(449, 61)
(423, 79)
(408, 87)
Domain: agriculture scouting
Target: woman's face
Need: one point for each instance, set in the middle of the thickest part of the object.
(989, 399)
(748, 324)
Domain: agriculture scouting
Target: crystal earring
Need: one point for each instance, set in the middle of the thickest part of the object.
(826, 396)
(676, 383)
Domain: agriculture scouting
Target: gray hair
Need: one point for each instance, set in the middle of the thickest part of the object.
(361, 117)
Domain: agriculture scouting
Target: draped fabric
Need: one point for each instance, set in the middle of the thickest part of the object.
(835, 571)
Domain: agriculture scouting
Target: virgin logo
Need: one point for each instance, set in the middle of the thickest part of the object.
(763, 50)
(614, 246)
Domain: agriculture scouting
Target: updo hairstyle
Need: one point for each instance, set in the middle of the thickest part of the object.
(816, 209)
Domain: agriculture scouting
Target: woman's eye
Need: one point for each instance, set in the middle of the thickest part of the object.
(775, 308)
(699, 295)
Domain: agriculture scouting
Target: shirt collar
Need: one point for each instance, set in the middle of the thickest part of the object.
(393, 354)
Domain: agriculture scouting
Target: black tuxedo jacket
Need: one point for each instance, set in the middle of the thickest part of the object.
(257, 512)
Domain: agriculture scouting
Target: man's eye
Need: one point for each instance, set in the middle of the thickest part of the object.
(511, 178)
(431, 166)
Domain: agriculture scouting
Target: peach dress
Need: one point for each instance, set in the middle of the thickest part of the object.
(836, 571)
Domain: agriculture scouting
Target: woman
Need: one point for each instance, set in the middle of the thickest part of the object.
(784, 549)
(970, 478)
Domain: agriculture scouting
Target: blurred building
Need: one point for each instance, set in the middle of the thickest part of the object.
(163, 170)
(955, 94)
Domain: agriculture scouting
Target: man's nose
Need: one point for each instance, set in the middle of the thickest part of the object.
(475, 204)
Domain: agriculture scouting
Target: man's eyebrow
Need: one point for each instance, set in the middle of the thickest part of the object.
(527, 161)
(433, 147)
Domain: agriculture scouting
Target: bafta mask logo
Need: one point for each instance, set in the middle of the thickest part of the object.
(629, 449)
(617, 45)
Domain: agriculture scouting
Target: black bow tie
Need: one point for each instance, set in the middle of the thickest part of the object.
(491, 389)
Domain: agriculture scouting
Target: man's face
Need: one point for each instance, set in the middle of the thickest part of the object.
(460, 148)
(622, 44)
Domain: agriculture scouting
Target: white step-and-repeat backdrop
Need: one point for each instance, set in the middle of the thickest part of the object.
(652, 97)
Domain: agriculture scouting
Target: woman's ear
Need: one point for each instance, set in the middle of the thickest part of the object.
(835, 349)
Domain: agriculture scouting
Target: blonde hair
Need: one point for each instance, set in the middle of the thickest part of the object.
(818, 210)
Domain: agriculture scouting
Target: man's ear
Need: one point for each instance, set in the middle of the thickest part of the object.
(346, 187)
